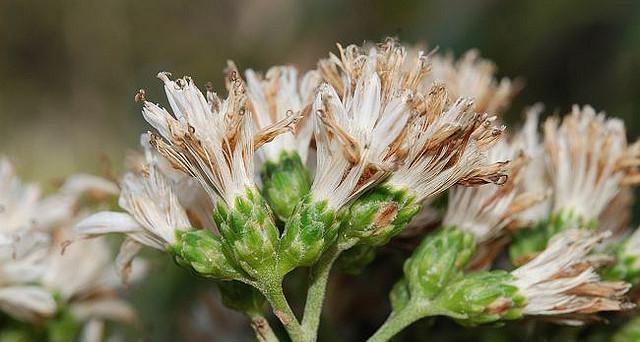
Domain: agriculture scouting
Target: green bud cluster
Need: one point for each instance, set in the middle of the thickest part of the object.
(250, 237)
(241, 297)
(310, 230)
(480, 298)
(379, 215)
(435, 283)
(440, 259)
(202, 251)
(527, 243)
(284, 182)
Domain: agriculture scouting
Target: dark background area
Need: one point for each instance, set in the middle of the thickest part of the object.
(69, 71)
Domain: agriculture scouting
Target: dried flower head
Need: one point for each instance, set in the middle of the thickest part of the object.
(280, 100)
(154, 213)
(589, 160)
(447, 145)
(208, 138)
(360, 113)
(562, 279)
(485, 211)
(474, 77)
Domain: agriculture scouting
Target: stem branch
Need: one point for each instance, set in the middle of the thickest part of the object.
(274, 294)
(317, 291)
(396, 322)
(261, 327)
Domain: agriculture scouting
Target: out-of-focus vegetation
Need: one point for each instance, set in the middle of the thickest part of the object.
(69, 71)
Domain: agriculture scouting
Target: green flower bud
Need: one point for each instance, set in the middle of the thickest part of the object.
(355, 259)
(438, 260)
(307, 234)
(399, 295)
(249, 234)
(379, 215)
(482, 297)
(241, 297)
(202, 251)
(527, 243)
(284, 182)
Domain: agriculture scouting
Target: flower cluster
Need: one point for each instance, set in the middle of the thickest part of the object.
(292, 170)
(40, 281)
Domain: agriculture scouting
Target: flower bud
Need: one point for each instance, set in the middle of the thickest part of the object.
(284, 182)
(438, 260)
(399, 295)
(241, 297)
(201, 251)
(483, 297)
(249, 234)
(309, 231)
(379, 215)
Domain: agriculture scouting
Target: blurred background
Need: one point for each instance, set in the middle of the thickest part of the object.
(69, 69)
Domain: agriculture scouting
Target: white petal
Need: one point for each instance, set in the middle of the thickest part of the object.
(108, 222)
(27, 302)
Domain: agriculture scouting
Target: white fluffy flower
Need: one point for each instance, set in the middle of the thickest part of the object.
(588, 159)
(485, 211)
(153, 212)
(473, 77)
(562, 279)
(274, 98)
(446, 145)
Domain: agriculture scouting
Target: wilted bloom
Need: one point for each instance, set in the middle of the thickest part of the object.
(22, 264)
(485, 211)
(153, 213)
(359, 114)
(281, 104)
(446, 144)
(589, 160)
(474, 77)
(588, 165)
(562, 279)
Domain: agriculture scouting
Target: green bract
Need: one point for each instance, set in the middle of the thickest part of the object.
(379, 215)
(482, 297)
(309, 231)
(527, 243)
(440, 258)
(249, 234)
(202, 251)
(284, 182)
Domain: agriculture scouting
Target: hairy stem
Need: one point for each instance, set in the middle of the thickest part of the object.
(317, 291)
(398, 321)
(274, 294)
(261, 327)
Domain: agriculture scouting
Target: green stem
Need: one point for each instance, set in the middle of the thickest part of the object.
(274, 294)
(261, 327)
(398, 321)
(317, 291)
